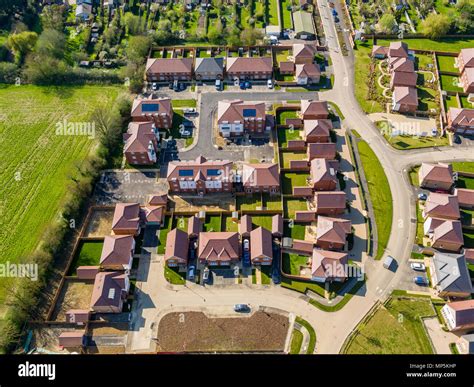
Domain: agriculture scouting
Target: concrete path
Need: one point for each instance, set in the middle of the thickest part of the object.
(439, 338)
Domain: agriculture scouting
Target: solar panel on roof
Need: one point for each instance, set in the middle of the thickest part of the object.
(186, 172)
(150, 107)
(250, 112)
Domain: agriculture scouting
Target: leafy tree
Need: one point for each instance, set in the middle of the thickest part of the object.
(107, 125)
(387, 23)
(464, 23)
(250, 36)
(8, 72)
(52, 17)
(22, 43)
(46, 70)
(51, 43)
(435, 25)
(138, 47)
(133, 24)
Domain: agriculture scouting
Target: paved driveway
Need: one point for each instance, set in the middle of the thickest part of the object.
(440, 339)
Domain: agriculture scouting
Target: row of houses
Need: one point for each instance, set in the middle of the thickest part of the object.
(441, 213)
(302, 65)
(222, 248)
(231, 68)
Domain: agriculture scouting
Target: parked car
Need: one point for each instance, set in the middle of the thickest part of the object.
(242, 308)
(154, 86)
(388, 262)
(270, 84)
(205, 275)
(242, 85)
(334, 12)
(457, 139)
(248, 85)
(191, 272)
(189, 111)
(422, 281)
(418, 266)
(336, 19)
(218, 85)
(422, 196)
(246, 245)
(175, 86)
(182, 86)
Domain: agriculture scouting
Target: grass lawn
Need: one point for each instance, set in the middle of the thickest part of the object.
(180, 103)
(173, 276)
(446, 44)
(164, 230)
(446, 63)
(271, 202)
(282, 56)
(266, 274)
(287, 134)
(312, 334)
(287, 157)
(450, 101)
(394, 329)
(414, 178)
(302, 286)
(229, 224)
(272, 12)
(295, 231)
(264, 221)
(292, 263)
(423, 60)
(181, 222)
(460, 166)
(426, 99)
(248, 202)
(88, 254)
(450, 83)
(419, 226)
(296, 342)
(466, 104)
(362, 54)
(468, 239)
(292, 205)
(282, 116)
(36, 165)
(293, 179)
(465, 182)
(380, 194)
(212, 223)
(287, 22)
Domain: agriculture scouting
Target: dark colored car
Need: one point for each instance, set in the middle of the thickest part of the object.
(248, 85)
(457, 139)
(241, 308)
(422, 281)
(242, 85)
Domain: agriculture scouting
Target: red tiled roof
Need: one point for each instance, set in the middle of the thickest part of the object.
(325, 262)
(465, 197)
(325, 150)
(461, 117)
(126, 216)
(164, 106)
(218, 246)
(139, 137)
(301, 50)
(309, 107)
(177, 245)
(117, 250)
(317, 127)
(405, 95)
(255, 64)
(109, 288)
(331, 199)
(450, 231)
(436, 172)
(261, 243)
(169, 65)
(231, 111)
(322, 170)
(307, 70)
(333, 230)
(442, 206)
(260, 175)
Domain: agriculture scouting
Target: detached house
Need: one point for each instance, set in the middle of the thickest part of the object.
(465, 197)
(436, 176)
(304, 53)
(332, 233)
(314, 110)
(109, 292)
(403, 79)
(117, 252)
(261, 248)
(307, 73)
(330, 203)
(141, 143)
(459, 315)
(245, 68)
(465, 59)
(200, 176)
(442, 206)
(322, 151)
(157, 110)
(169, 69)
(261, 178)
(317, 131)
(126, 220)
(245, 226)
(398, 50)
(445, 234)
(450, 276)
(328, 266)
(461, 121)
(177, 244)
(234, 118)
(405, 99)
(218, 248)
(323, 175)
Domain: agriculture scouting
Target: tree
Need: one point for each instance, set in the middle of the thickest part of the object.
(133, 24)
(22, 43)
(215, 34)
(464, 23)
(387, 23)
(8, 72)
(46, 70)
(249, 36)
(108, 126)
(435, 25)
(138, 47)
(51, 43)
(53, 17)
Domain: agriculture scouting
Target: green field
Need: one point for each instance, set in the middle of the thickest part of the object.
(88, 254)
(380, 194)
(394, 329)
(36, 165)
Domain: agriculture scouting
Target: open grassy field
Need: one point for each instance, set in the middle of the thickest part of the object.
(380, 194)
(394, 329)
(36, 165)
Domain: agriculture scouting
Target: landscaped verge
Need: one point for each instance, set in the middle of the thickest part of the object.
(312, 334)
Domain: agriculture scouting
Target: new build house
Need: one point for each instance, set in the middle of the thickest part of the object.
(249, 68)
(261, 249)
(328, 265)
(235, 118)
(308, 73)
(126, 220)
(169, 69)
(323, 175)
(218, 248)
(436, 176)
(314, 110)
(141, 143)
(450, 276)
(209, 69)
(261, 178)
(177, 244)
(157, 110)
(331, 233)
(461, 121)
(200, 176)
(459, 315)
(330, 203)
(317, 131)
(304, 53)
(109, 292)
(465, 62)
(117, 252)
(444, 206)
